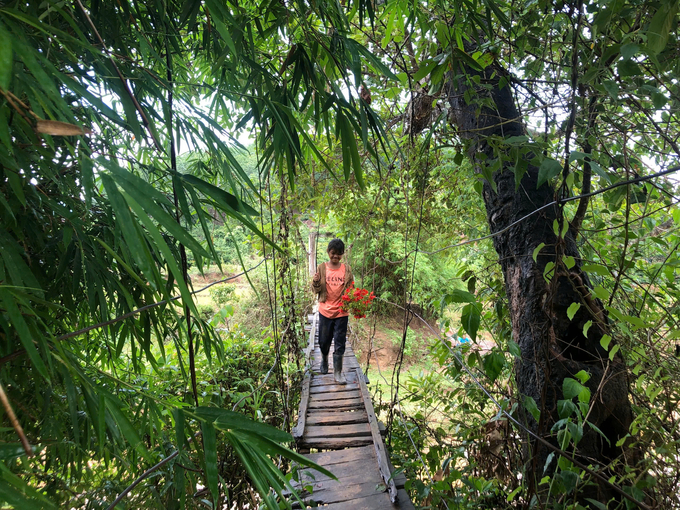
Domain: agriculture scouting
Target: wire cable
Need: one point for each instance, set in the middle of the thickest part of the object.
(523, 427)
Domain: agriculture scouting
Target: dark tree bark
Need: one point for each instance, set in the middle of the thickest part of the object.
(553, 347)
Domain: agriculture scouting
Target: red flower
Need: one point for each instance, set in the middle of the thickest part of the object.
(357, 302)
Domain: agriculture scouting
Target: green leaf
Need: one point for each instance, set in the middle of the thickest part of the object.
(6, 59)
(162, 246)
(210, 449)
(147, 196)
(458, 296)
(604, 342)
(582, 376)
(470, 319)
(224, 419)
(586, 328)
(572, 388)
(660, 26)
(577, 156)
(377, 64)
(548, 169)
(425, 69)
(659, 100)
(493, 365)
(565, 408)
(127, 429)
(22, 330)
(18, 494)
(601, 292)
(629, 50)
(596, 269)
(127, 226)
(537, 250)
(11, 451)
(571, 311)
(530, 405)
(220, 195)
(599, 171)
(628, 68)
(613, 352)
(597, 504)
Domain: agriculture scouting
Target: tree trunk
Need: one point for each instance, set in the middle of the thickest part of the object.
(552, 346)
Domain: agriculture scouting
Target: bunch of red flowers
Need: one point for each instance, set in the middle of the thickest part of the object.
(357, 301)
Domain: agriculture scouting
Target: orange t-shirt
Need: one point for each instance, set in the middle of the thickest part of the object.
(335, 281)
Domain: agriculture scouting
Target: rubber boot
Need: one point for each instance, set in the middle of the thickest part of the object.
(337, 369)
(324, 363)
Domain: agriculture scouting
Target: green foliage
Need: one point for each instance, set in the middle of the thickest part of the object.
(95, 227)
(223, 294)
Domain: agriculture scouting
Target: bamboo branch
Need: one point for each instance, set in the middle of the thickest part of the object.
(15, 422)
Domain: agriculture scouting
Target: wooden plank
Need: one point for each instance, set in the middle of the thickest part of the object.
(336, 395)
(336, 443)
(380, 451)
(335, 418)
(350, 430)
(299, 429)
(330, 388)
(348, 403)
(336, 493)
(362, 467)
(373, 502)
(404, 500)
(329, 458)
(326, 380)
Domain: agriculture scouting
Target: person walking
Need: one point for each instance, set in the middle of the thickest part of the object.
(330, 282)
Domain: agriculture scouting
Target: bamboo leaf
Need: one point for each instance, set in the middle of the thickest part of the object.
(224, 419)
(232, 202)
(6, 59)
(22, 331)
(167, 254)
(210, 449)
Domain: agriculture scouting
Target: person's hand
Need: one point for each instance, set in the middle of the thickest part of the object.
(317, 277)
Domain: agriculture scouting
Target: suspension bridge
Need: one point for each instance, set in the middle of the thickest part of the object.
(338, 422)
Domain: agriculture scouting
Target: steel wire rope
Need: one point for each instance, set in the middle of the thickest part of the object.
(408, 313)
(523, 427)
(404, 424)
(527, 216)
(131, 313)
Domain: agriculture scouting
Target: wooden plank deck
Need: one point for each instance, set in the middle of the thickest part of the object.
(339, 421)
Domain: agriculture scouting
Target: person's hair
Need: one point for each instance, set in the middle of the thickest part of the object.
(337, 246)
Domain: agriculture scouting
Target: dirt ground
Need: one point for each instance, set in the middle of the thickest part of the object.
(387, 339)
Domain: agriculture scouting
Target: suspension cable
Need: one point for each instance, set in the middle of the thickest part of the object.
(523, 427)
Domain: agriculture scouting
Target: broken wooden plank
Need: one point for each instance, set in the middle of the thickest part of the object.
(380, 451)
(330, 431)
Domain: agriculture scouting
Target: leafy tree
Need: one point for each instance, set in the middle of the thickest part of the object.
(545, 100)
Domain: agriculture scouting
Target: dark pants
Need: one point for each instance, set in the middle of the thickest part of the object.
(332, 329)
